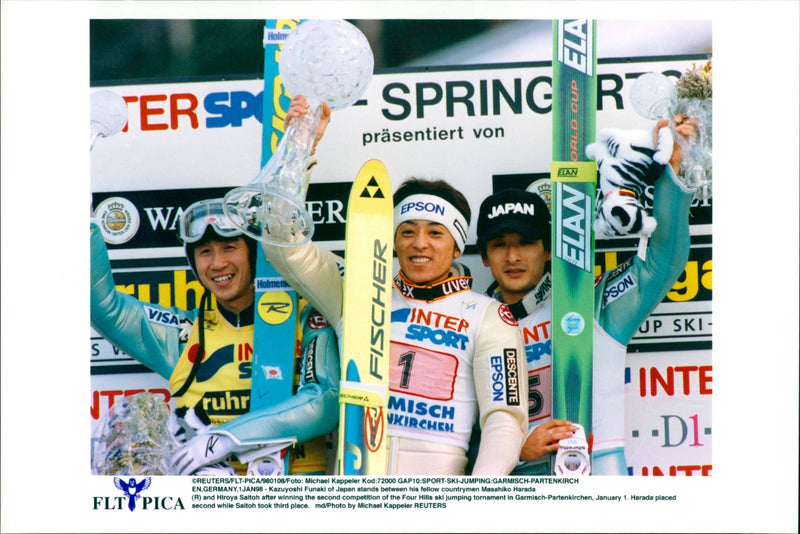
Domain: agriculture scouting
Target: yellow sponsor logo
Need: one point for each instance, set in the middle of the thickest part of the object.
(275, 307)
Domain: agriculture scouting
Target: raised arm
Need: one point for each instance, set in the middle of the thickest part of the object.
(148, 332)
(621, 311)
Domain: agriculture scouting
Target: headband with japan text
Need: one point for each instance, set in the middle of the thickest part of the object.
(436, 209)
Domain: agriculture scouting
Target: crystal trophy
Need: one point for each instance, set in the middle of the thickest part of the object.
(326, 61)
(655, 97)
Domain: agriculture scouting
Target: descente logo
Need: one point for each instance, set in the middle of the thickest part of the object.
(132, 498)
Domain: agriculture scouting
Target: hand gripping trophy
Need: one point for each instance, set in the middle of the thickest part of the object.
(326, 61)
(654, 96)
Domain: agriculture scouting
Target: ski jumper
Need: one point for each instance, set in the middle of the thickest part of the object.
(166, 341)
(624, 297)
(456, 357)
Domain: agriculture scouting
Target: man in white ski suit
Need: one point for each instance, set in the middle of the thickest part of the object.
(515, 244)
(456, 355)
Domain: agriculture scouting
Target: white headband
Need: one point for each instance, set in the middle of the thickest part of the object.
(436, 209)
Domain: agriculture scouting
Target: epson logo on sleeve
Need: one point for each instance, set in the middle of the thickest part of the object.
(615, 290)
(498, 379)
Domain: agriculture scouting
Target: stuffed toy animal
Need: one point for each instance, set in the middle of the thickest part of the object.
(627, 164)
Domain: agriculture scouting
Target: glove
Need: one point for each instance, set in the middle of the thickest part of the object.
(185, 424)
(202, 450)
(627, 166)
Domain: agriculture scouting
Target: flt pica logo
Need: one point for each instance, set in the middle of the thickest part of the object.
(132, 489)
(132, 499)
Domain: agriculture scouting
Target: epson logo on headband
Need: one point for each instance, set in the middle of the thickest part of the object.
(435, 209)
(425, 207)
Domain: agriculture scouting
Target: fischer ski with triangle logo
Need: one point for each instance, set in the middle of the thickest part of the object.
(573, 177)
(364, 389)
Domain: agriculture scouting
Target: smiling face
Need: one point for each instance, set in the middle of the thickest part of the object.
(517, 264)
(425, 251)
(224, 268)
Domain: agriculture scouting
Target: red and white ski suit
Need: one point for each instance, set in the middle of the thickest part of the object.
(456, 357)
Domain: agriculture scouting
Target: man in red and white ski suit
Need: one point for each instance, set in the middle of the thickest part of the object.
(456, 356)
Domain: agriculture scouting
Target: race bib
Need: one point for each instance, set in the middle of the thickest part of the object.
(422, 372)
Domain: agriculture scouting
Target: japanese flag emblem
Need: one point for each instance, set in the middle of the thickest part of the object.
(272, 373)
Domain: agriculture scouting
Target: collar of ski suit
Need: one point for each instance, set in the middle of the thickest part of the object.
(429, 293)
(530, 302)
(245, 318)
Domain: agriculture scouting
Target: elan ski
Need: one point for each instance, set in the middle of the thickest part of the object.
(573, 178)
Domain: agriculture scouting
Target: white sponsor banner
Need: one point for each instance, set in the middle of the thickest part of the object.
(461, 125)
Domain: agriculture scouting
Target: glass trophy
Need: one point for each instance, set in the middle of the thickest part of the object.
(326, 61)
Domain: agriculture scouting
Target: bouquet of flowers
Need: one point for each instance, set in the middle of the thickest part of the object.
(695, 83)
(694, 92)
(135, 438)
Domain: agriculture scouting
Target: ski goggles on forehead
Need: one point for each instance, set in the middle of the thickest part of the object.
(200, 215)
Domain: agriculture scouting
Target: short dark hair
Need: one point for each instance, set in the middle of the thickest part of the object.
(439, 188)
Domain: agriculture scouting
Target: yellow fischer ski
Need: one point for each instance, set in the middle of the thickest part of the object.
(364, 388)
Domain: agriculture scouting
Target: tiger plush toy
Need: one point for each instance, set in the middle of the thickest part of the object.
(627, 164)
